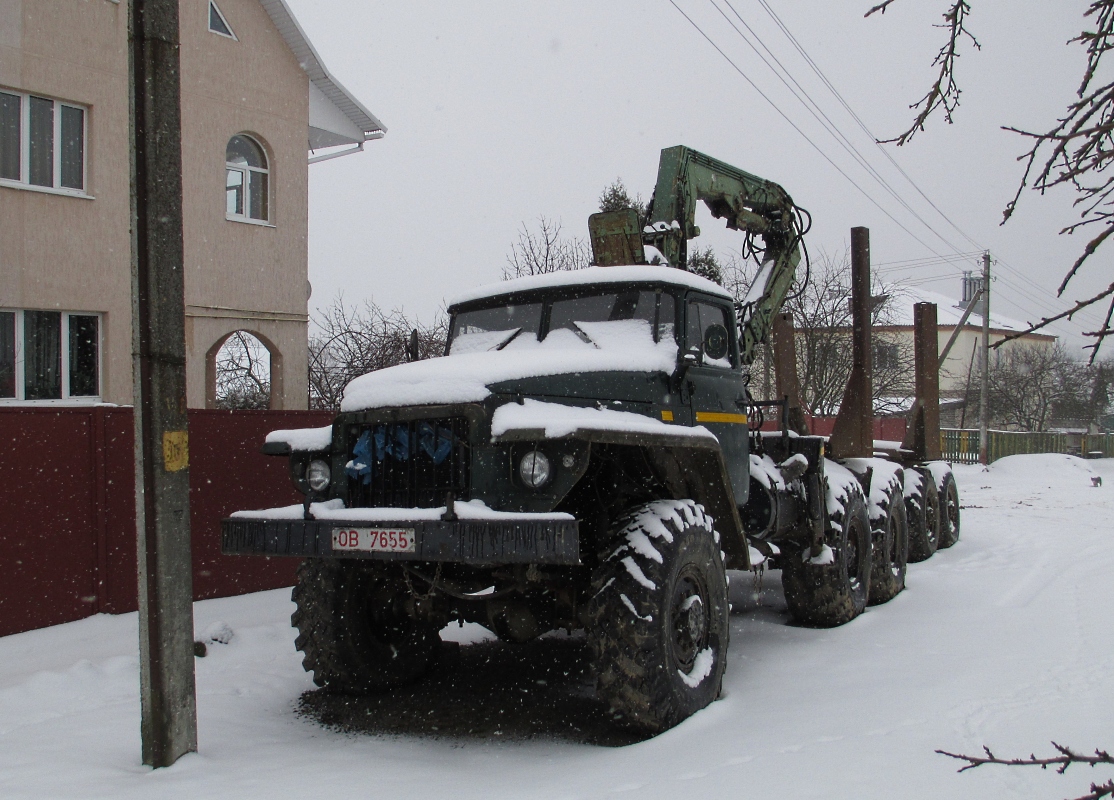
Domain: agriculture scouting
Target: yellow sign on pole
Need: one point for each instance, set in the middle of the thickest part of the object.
(175, 450)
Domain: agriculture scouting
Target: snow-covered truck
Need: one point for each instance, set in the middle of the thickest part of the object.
(583, 457)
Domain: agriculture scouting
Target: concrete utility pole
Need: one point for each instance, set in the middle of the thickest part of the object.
(984, 389)
(167, 696)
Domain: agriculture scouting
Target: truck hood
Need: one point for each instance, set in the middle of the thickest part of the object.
(468, 377)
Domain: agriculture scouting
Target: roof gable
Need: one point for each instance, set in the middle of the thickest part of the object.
(336, 117)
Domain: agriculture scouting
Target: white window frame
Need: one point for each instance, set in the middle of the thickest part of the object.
(24, 181)
(246, 172)
(20, 361)
(231, 33)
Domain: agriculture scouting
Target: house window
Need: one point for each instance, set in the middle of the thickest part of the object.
(217, 22)
(49, 355)
(246, 180)
(42, 142)
(885, 357)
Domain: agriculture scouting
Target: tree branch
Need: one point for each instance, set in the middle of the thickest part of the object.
(1066, 758)
(944, 92)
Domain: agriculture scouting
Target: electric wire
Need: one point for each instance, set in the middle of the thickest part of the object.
(858, 120)
(795, 127)
(1018, 292)
(1014, 289)
(820, 116)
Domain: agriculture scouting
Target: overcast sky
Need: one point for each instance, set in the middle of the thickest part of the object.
(500, 112)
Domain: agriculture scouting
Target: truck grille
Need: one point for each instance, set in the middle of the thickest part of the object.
(412, 464)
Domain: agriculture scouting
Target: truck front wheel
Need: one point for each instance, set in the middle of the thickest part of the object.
(353, 630)
(659, 626)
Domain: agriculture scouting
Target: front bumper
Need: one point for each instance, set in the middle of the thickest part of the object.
(467, 541)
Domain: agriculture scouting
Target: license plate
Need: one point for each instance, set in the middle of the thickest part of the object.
(374, 540)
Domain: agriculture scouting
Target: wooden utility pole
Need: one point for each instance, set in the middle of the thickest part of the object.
(167, 696)
(984, 389)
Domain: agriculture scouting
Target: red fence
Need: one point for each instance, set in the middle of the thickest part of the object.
(67, 494)
(890, 429)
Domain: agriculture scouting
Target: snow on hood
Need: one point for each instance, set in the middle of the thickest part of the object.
(465, 378)
(558, 420)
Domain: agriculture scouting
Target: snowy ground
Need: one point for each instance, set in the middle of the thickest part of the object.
(1006, 640)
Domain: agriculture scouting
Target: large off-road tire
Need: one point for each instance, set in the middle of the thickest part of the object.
(949, 506)
(659, 616)
(832, 589)
(922, 506)
(890, 532)
(353, 631)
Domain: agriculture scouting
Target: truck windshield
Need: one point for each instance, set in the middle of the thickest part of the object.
(491, 328)
(518, 325)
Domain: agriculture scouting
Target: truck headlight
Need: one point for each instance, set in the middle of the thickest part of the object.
(534, 469)
(318, 475)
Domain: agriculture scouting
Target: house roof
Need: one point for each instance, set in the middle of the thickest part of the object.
(335, 116)
(899, 311)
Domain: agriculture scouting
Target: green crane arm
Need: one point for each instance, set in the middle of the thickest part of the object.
(746, 202)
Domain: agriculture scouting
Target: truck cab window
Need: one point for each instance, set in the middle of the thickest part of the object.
(708, 327)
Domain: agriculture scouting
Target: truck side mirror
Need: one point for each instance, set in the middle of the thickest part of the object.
(716, 342)
(690, 358)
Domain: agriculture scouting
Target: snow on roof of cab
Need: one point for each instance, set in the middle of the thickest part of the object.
(590, 275)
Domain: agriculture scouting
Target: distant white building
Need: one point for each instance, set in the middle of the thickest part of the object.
(961, 366)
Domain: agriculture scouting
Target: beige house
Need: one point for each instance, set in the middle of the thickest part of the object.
(961, 364)
(258, 107)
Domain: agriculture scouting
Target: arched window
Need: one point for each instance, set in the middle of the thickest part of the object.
(246, 180)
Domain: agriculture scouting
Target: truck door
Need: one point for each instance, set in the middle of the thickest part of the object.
(715, 386)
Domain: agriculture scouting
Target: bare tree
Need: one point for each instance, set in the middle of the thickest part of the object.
(243, 373)
(822, 315)
(1027, 382)
(348, 342)
(545, 250)
(1033, 387)
(1074, 153)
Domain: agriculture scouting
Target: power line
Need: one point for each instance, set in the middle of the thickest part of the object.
(846, 106)
(793, 125)
(819, 115)
(1040, 302)
(917, 263)
(833, 130)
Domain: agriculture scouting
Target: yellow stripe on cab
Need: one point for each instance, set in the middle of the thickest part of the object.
(718, 416)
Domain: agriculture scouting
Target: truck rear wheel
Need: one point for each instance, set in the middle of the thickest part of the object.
(890, 548)
(832, 589)
(922, 507)
(949, 510)
(354, 634)
(659, 626)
